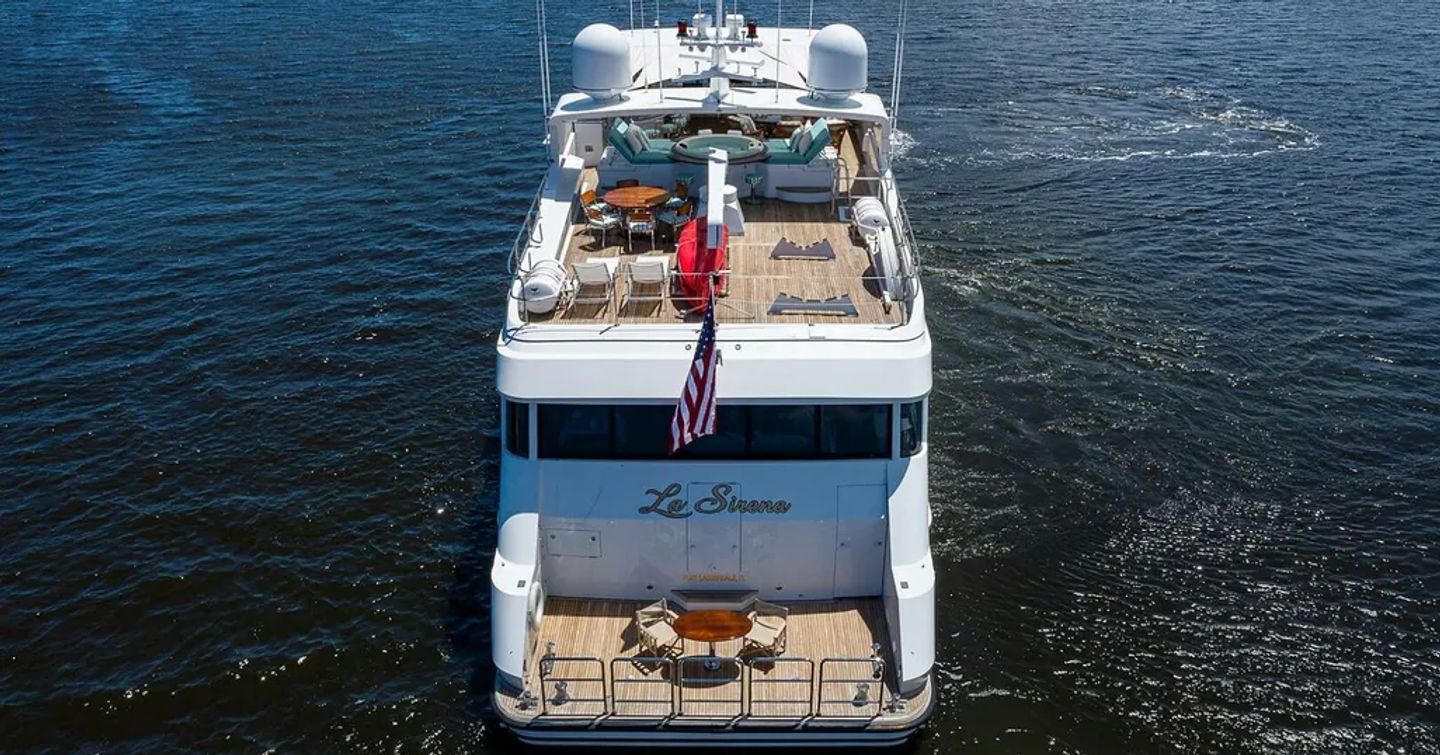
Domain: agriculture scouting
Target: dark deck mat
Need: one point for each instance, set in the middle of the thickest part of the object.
(842, 306)
(786, 249)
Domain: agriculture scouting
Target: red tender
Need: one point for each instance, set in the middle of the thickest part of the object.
(695, 261)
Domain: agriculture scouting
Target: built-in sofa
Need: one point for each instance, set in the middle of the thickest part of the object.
(638, 148)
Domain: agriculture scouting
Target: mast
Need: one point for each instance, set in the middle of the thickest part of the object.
(719, 84)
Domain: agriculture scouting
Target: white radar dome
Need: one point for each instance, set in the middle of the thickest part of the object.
(601, 61)
(839, 62)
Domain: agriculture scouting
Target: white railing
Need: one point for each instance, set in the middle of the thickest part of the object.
(664, 303)
(530, 232)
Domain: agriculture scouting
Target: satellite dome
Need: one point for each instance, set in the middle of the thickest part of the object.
(839, 62)
(601, 61)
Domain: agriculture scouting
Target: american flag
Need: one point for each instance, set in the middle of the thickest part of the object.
(695, 412)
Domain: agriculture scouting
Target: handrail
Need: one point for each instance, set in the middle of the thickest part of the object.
(561, 684)
(526, 236)
(809, 681)
(663, 672)
(683, 681)
(609, 307)
(838, 173)
(913, 276)
(861, 699)
(701, 682)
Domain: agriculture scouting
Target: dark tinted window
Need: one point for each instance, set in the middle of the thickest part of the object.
(728, 442)
(517, 428)
(642, 432)
(783, 431)
(592, 431)
(855, 431)
(912, 427)
(575, 431)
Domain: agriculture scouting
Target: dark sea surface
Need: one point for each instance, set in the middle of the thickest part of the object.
(1182, 280)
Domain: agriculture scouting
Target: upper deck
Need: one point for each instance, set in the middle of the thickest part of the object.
(757, 277)
(640, 93)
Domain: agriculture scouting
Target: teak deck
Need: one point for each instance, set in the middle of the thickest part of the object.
(755, 279)
(605, 630)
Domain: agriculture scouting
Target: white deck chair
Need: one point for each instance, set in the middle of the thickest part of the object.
(592, 274)
(649, 272)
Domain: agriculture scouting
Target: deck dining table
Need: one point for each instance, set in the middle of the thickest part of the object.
(712, 627)
(636, 197)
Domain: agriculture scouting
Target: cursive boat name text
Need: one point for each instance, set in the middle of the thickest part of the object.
(722, 499)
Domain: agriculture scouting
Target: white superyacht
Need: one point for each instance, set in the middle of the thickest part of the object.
(719, 224)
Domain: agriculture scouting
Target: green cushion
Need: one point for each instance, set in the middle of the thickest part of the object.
(781, 154)
(650, 157)
(659, 151)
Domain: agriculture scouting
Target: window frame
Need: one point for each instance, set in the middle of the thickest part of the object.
(508, 424)
(922, 439)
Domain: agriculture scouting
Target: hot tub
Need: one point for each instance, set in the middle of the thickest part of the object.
(742, 149)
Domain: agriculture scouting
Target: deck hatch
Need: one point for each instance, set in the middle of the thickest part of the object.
(576, 543)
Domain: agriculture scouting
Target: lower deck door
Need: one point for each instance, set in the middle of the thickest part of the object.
(860, 535)
(714, 539)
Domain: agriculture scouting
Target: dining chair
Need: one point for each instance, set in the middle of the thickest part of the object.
(626, 183)
(595, 220)
(767, 629)
(682, 184)
(642, 222)
(654, 630)
(676, 217)
(590, 200)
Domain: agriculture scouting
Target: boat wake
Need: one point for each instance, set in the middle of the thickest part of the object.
(1110, 124)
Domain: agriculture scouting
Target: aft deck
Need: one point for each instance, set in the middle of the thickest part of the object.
(833, 672)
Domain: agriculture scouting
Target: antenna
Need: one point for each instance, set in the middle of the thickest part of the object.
(898, 72)
(779, 11)
(542, 23)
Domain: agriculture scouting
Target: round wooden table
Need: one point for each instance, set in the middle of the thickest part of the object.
(636, 197)
(712, 627)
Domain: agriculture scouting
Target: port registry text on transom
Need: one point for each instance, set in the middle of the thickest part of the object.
(668, 503)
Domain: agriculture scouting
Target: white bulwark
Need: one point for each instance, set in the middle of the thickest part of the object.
(770, 584)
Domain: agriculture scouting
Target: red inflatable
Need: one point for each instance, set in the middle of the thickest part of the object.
(696, 262)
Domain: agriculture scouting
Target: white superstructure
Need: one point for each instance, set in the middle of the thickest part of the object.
(808, 511)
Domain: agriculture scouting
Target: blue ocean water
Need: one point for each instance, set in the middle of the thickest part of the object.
(1182, 278)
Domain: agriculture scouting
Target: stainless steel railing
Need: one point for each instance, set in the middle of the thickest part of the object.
(769, 681)
(568, 691)
(707, 672)
(657, 680)
(845, 691)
